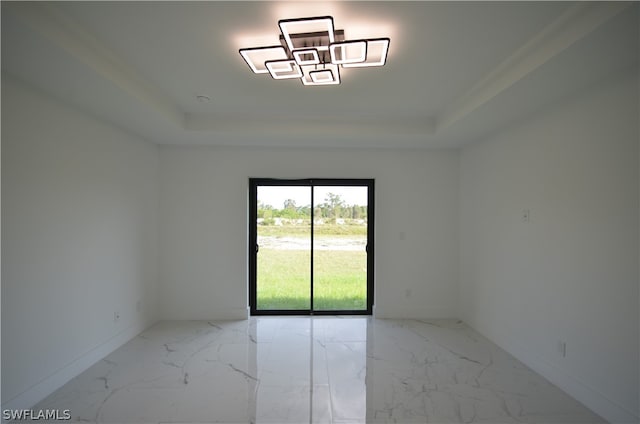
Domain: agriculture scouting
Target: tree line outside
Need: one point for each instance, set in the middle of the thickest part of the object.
(333, 207)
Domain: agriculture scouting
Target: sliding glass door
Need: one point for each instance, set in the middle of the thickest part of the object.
(283, 248)
(340, 248)
(311, 246)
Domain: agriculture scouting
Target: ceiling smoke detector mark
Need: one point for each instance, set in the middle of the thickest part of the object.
(313, 50)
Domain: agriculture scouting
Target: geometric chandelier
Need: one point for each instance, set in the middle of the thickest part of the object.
(313, 51)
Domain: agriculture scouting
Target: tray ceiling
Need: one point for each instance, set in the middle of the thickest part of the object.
(455, 71)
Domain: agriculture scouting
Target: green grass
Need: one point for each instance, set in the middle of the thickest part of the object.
(340, 279)
(318, 230)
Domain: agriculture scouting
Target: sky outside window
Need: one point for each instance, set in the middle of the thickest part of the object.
(276, 195)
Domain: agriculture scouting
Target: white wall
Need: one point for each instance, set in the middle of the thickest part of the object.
(571, 273)
(204, 225)
(79, 235)
(80, 200)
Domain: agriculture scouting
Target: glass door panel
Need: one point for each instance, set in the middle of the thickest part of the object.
(311, 246)
(283, 230)
(340, 248)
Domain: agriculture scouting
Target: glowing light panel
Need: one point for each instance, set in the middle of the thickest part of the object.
(348, 52)
(306, 57)
(283, 69)
(257, 56)
(313, 50)
(377, 50)
(321, 77)
(327, 74)
(319, 27)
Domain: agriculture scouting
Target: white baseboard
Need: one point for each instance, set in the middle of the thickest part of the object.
(414, 313)
(228, 314)
(231, 314)
(44, 388)
(219, 314)
(587, 395)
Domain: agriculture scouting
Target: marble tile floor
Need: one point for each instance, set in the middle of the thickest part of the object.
(313, 370)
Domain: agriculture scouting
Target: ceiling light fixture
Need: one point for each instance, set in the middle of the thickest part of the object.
(313, 50)
(283, 69)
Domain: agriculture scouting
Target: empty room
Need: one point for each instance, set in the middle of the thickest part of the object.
(320, 212)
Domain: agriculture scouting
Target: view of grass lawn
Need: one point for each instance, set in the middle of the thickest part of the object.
(283, 267)
(340, 279)
(319, 230)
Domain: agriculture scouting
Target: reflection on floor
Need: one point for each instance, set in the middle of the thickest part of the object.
(313, 370)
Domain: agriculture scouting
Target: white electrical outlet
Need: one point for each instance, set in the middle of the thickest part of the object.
(562, 348)
(116, 316)
(139, 306)
(526, 215)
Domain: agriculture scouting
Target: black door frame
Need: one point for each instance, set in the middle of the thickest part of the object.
(253, 240)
